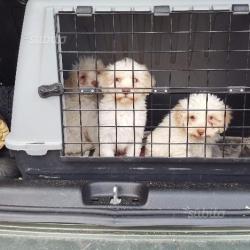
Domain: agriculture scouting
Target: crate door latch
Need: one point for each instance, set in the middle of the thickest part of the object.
(55, 89)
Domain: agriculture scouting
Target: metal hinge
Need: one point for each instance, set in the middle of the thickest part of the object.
(87, 90)
(163, 10)
(84, 11)
(236, 89)
(55, 89)
(160, 90)
(240, 9)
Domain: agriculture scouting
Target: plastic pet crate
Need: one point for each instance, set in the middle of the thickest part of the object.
(187, 47)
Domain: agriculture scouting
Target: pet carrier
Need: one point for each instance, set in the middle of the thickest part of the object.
(97, 82)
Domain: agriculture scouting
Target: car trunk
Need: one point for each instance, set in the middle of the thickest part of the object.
(189, 51)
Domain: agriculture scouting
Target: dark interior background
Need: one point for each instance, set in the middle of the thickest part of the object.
(11, 19)
(193, 50)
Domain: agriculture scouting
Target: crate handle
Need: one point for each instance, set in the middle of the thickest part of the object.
(55, 89)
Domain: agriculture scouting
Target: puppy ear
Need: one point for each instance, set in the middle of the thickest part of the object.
(153, 82)
(72, 80)
(227, 118)
(100, 66)
(179, 115)
(104, 78)
(148, 82)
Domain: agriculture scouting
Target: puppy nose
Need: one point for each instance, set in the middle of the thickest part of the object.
(94, 83)
(126, 90)
(201, 131)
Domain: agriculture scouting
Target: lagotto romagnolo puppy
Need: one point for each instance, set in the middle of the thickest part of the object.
(84, 74)
(188, 126)
(125, 86)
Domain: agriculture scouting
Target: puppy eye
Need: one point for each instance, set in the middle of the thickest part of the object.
(83, 77)
(136, 79)
(211, 117)
(192, 117)
(117, 79)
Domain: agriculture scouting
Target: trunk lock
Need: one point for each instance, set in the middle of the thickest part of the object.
(115, 200)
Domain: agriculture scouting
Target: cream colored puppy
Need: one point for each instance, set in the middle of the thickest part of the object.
(189, 126)
(123, 107)
(84, 75)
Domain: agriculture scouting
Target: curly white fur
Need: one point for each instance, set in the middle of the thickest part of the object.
(84, 75)
(123, 115)
(189, 128)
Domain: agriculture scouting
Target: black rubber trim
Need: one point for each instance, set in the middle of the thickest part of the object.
(52, 166)
(167, 204)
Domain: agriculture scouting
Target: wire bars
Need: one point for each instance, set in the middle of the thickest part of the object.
(140, 85)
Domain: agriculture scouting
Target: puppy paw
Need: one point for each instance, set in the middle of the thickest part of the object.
(107, 152)
(72, 150)
(4, 131)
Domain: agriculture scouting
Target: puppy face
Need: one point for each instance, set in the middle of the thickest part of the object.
(207, 115)
(86, 72)
(128, 79)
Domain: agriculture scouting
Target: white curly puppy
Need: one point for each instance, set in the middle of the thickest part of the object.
(125, 86)
(190, 127)
(84, 74)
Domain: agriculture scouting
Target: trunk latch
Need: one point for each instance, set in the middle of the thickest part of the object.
(115, 200)
(115, 193)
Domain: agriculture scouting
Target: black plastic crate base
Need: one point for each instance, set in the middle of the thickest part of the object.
(52, 166)
(186, 52)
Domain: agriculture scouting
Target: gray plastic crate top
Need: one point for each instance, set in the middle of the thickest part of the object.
(36, 122)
